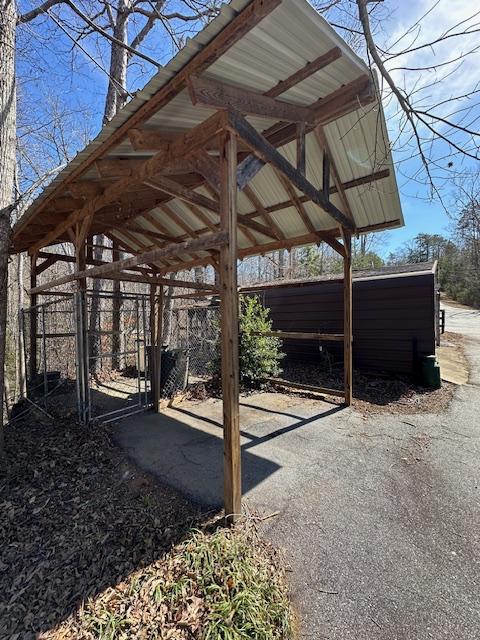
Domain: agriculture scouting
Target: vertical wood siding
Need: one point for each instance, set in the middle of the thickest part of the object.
(393, 319)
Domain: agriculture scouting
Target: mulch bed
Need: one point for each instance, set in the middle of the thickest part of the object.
(76, 519)
(374, 393)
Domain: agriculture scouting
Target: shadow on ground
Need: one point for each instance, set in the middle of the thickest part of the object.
(76, 518)
(184, 445)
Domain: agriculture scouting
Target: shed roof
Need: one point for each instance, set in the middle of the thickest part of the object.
(387, 271)
(282, 43)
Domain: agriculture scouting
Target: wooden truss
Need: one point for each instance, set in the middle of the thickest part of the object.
(222, 155)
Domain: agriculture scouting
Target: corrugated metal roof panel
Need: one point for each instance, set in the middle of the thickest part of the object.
(281, 44)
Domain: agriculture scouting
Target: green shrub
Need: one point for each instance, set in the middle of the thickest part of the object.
(259, 356)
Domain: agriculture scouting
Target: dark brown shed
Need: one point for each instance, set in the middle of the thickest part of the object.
(395, 315)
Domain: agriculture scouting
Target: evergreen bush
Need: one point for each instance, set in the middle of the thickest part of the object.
(259, 356)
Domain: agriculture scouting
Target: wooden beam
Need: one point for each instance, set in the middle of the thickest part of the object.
(346, 98)
(49, 260)
(326, 172)
(340, 188)
(203, 243)
(301, 149)
(305, 387)
(182, 193)
(298, 241)
(185, 143)
(301, 335)
(84, 189)
(267, 152)
(251, 196)
(182, 284)
(203, 163)
(148, 233)
(176, 219)
(212, 93)
(117, 167)
(308, 224)
(248, 224)
(229, 330)
(347, 320)
(305, 72)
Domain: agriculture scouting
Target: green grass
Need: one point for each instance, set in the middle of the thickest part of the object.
(224, 585)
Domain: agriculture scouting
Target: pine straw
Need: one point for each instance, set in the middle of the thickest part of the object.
(92, 548)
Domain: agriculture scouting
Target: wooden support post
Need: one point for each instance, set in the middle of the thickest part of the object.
(301, 151)
(116, 314)
(81, 331)
(229, 324)
(32, 365)
(347, 318)
(157, 343)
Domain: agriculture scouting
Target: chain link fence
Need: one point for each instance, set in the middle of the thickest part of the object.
(49, 338)
(95, 348)
(191, 338)
(117, 344)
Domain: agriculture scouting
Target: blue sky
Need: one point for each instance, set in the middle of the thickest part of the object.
(58, 80)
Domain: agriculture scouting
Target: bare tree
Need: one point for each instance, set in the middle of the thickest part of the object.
(437, 127)
(7, 167)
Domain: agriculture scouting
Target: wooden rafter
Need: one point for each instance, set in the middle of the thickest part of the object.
(294, 199)
(211, 93)
(308, 70)
(241, 24)
(253, 199)
(327, 152)
(187, 195)
(183, 145)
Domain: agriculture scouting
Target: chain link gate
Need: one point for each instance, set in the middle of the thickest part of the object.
(117, 344)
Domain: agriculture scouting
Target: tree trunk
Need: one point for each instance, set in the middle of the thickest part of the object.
(116, 95)
(8, 17)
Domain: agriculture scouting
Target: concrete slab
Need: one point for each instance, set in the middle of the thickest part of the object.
(184, 445)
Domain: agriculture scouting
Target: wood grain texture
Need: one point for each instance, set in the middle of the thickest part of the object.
(229, 325)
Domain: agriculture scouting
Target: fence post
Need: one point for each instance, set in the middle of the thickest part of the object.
(32, 365)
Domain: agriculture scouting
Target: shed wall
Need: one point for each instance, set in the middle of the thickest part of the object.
(393, 319)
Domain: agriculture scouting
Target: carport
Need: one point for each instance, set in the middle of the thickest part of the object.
(264, 132)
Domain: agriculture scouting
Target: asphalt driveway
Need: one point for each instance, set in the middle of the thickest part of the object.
(379, 517)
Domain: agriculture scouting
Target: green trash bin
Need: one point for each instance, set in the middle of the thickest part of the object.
(430, 372)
